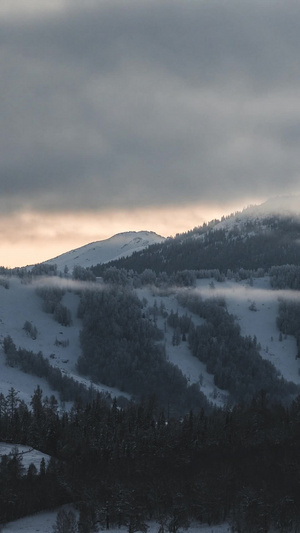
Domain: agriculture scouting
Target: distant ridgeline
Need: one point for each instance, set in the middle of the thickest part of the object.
(257, 243)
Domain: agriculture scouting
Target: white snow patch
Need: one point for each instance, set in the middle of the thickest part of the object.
(28, 455)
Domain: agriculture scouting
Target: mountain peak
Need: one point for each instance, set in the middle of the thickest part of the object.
(119, 245)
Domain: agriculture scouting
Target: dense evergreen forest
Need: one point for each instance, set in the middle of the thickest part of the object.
(121, 348)
(126, 466)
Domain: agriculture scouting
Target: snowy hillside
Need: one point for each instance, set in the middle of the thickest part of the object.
(256, 308)
(284, 206)
(59, 344)
(120, 245)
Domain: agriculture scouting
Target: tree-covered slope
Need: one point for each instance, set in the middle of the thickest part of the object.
(256, 243)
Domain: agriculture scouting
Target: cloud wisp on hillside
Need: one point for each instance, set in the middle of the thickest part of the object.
(237, 292)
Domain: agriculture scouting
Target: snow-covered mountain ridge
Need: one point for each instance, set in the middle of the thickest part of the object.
(256, 217)
(20, 303)
(120, 245)
(257, 237)
(252, 220)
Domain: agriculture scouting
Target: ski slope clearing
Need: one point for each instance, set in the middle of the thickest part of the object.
(256, 308)
(120, 245)
(191, 367)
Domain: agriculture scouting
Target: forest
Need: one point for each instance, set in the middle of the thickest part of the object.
(124, 466)
(275, 242)
(121, 348)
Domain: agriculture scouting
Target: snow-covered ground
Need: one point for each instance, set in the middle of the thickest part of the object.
(29, 455)
(43, 523)
(20, 303)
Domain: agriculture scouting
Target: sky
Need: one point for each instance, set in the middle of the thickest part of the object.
(121, 115)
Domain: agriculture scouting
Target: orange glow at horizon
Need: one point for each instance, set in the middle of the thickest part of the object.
(32, 237)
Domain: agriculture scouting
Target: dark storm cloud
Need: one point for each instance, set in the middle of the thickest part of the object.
(139, 103)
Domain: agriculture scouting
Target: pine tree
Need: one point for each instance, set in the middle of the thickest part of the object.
(65, 522)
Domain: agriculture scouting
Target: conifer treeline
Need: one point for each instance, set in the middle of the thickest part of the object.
(241, 465)
(260, 244)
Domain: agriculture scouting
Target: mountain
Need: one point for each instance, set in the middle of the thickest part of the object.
(120, 245)
(203, 365)
(257, 237)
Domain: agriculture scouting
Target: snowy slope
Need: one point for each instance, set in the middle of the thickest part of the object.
(260, 322)
(26, 453)
(277, 206)
(21, 303)
(120, 245)
(191, 367)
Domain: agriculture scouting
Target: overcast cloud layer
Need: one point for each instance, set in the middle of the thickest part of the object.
(125, 103)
